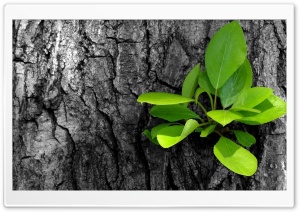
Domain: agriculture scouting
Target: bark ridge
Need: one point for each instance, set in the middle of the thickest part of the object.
(76, 122)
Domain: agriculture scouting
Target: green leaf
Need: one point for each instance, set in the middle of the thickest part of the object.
(208, 130)
(244, 138)
(148, 135)
(252, 97)
(204, 82)
(224, 117)
(173, 112)
(190, 83)
(225, 53)
(239, 81)
(169, 136)
(160, 98)
(200, 91)
(268, 103)
(198, 129)
(271, 109)
(235, 157)
(252, 110)
(157, 128)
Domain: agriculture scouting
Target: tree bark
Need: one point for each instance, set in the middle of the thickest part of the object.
(77, 124)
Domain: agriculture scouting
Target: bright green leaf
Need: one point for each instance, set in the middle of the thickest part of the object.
(244, 138)
(204, 82)
(169, 136)
(271, 109)
(252, 110)
(208, 130)
(224, 117)
(190, 83)
(148, 135)
(239, 81)
(252, 97)
(225, 53)
(235, 157)
(160, 98)
(173, 112)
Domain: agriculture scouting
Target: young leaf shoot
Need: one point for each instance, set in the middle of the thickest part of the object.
(227, 76)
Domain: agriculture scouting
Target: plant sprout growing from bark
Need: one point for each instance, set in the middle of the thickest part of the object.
(227, 76)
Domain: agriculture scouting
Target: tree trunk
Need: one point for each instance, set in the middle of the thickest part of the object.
(77, 124)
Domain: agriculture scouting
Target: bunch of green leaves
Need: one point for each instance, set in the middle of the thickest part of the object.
(228, 76)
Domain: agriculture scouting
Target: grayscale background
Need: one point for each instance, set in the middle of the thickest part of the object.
(76, 122)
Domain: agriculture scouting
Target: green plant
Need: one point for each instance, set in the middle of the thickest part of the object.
(228, 75)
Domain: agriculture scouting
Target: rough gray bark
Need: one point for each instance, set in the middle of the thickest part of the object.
(76, 122)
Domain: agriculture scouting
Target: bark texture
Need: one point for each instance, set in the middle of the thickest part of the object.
(76, 122)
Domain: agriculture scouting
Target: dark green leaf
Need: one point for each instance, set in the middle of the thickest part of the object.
(159, 98)
(190, 83)
(267, 104)
(204, 82)
(224, 117)
(173, 112)
(148, 135)
(225, 53)
(208, 130)
(252, 97)
(239, 81)
(244, 138)
(157, 128)
(271, 109)
(198, 129)
(169, 136)
(235, 157)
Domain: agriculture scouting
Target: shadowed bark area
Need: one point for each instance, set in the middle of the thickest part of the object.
(76, 122)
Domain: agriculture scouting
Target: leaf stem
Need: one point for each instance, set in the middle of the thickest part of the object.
(204, 110)
(202, 107)
(203, 124)
(211, 101)
(215, 100)
(201, 120)
(220, 134)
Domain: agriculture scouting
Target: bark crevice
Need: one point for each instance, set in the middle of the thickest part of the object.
(76, 122)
